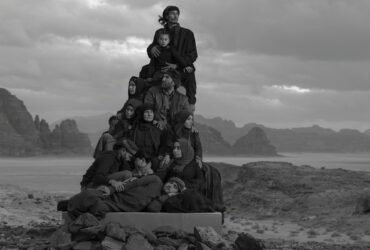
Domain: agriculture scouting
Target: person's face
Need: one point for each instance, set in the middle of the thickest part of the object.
(189, 122)
(130, 112)
(176, 150)
(113, 123)
(140, 163)
(167, 82)
(172, 16)
(170, 187)
(119, 115)
(131, 87)
(148, 115)
(164, 40)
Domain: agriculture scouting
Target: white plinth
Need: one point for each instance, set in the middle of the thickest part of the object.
(151, 221)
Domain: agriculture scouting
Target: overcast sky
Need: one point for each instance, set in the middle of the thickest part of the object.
(280, 63)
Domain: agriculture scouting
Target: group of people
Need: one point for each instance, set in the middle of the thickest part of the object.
(150, 158)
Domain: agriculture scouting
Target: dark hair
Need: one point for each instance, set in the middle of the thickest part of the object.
(162, 19)
(112, 118)
(142, 155)
(163, 32)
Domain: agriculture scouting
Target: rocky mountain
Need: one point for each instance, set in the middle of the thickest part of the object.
(254, 143)
(20, 135)
(227, 128)
(90, 124)
(212, 141)
(304, 139)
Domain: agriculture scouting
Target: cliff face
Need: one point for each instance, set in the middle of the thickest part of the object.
(254, 143)
(20, 135)
(64, 139)
(212, 141)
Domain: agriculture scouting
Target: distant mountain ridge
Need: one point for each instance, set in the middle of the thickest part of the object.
(20, 135)
(304, 139)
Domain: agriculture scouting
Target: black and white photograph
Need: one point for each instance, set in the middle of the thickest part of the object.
(184, 125)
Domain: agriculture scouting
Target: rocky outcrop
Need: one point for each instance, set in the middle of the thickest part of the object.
(20, 135)
(254, 143)
(64, 139)
(212, 141)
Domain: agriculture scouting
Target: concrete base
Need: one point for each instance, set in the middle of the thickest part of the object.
(151, 221)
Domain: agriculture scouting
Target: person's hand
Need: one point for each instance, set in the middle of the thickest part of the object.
(131, 179)
(165, 161)
(160, 124)
(155, 51)
(188, 69)
(104, 189)
(169, 67)
(199, 162)
(117, 185)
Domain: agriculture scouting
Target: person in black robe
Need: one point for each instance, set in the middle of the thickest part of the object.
(184, 128)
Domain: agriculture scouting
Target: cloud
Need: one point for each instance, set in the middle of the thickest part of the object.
(274, 62)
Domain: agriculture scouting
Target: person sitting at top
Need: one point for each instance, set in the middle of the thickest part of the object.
(166, 101)
(167, 55)
(184, 129)
(183, 41)
(127, 119)
(149, 138)
(130, 195)
(137, 88)
(109, 162)
(106, 140)
(183, 166)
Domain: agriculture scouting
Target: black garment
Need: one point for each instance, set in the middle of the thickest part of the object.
(191, 175)
(148, 138)
(106, 164)
(124, 129)
(212, 188)
(167, 55)
(183, 41)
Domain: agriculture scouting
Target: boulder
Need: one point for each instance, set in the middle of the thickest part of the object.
(210, 237)
(83, 221)
(111, 244)
(60, 239)
(114, 230)
(247, 241)
(137, 241)
(84, 245)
